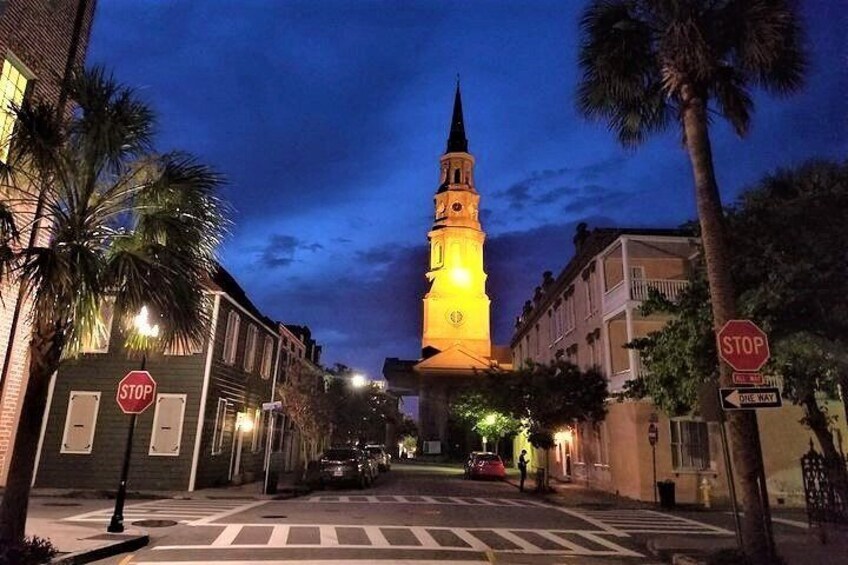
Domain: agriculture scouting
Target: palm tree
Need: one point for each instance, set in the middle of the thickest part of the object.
(648, 63)
(118, 222)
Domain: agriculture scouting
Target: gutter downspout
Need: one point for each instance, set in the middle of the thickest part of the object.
(210, 350)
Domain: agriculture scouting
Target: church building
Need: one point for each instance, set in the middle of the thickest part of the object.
(456, 345)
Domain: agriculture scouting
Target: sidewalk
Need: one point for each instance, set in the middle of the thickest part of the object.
(84, 544)
(799, 546)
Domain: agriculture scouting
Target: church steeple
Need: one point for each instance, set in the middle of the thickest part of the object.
(457, 142)
(456, 307)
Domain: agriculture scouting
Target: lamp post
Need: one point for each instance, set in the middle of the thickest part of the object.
(146, 330)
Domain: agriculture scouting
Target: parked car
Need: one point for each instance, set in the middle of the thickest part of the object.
(345, 465)
(383, 457)
(487, 466)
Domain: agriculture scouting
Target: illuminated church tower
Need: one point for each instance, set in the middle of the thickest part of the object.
(456, 309)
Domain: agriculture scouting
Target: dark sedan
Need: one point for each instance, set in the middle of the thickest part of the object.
(345, 465)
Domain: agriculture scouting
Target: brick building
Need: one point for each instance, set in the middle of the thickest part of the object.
(39, 42)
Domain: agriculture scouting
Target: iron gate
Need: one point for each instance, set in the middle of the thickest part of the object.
(824, 505)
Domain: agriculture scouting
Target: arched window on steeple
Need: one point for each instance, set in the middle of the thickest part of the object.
(457, 176)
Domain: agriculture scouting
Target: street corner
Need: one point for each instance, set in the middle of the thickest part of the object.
(74, 550)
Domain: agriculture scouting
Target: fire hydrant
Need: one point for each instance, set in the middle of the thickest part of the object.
(705, 488)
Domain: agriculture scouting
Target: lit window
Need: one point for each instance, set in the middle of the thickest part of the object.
(690, 446)
(13, 84)
(231, 338)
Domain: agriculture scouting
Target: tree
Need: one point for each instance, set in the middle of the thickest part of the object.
(307, 404)
(474, 409)
(549, 397)
(648, 63)
(792, 279)
(119, 221)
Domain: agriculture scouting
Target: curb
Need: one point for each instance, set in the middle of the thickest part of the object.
(127, 544)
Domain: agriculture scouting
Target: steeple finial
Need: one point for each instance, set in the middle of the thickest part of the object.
(457, 142)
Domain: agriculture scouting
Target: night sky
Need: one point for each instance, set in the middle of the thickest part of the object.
(328, 120)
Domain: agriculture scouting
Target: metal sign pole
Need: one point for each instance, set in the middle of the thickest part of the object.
(730, 482)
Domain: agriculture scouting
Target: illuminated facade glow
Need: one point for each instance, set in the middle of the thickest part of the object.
(456, 308)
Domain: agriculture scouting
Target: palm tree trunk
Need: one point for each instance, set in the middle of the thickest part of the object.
(744, 434)
(45, 352)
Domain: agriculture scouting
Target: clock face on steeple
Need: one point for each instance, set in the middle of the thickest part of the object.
(456, 207)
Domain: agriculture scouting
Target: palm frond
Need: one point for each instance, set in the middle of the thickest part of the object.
(620, 80)
(766, 42)
(734, 100)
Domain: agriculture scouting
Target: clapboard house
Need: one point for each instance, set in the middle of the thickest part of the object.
(206, 427)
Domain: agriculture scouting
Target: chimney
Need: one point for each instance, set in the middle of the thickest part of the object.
(580, 235)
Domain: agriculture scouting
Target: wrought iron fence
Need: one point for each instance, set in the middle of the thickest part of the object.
(824, 504)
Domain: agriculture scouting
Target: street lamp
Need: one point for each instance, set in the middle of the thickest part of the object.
(358, 381)
(491, 419)
(145, 329)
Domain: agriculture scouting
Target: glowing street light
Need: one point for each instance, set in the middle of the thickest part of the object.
(358, 381)
(491, 419)
(142, 324)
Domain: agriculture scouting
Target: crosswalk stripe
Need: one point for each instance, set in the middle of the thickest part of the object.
(457, 500)
(509, 502)
(328, 536)
(228, 536)
(279, 536)
(429, 500)
(424, 537)
(550, 536)
(484, 501)
(468, 538)
(375, 536)
(517, 540)
(618, 549)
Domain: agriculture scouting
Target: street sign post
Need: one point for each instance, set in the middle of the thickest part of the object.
(748, 379)
(136, 392)
(653, 436)
(747, 398)
(276, 406)
(743, 345)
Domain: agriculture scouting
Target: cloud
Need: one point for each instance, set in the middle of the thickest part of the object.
(281, 249)
(378, 255)
(593, 197)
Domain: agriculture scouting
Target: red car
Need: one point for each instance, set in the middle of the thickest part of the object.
(486, 466)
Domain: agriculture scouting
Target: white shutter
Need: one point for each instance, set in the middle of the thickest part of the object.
(167, 425)
(80, 422)
(231, 338)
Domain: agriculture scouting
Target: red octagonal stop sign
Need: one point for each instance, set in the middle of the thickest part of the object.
(743, 345)
(136, 392)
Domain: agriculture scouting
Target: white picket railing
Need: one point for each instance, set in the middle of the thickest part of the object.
(670, 288)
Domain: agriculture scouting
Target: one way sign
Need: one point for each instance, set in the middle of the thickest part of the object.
(750, 398)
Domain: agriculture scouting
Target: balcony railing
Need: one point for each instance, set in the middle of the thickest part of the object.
(670, 288)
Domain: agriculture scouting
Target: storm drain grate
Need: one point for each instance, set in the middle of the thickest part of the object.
(274, 516)
(154, 523)
(595, 505)
(62, 504)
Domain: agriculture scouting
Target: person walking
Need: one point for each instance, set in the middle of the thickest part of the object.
(522, 468)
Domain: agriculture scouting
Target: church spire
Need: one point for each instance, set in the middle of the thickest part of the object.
(457, 142)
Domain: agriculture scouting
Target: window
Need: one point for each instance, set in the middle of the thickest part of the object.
(98, 340)
(558, 321)
(258, 429)
(538, 341)
(569, 315)
(591, 307)
(167, 425)
(267, 357)
(220, 427)
(456, 176)
(13, 85)
(231, 338)
(250, 348)
(80, 422)
(690, 447)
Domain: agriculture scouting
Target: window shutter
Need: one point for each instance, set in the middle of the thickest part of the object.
(167, 425)
(80, 422)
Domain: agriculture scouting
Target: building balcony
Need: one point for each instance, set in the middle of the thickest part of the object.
(639, 289)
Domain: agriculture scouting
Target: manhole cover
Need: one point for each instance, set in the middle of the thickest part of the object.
(275, 516)
(62, 504)
(154, 523)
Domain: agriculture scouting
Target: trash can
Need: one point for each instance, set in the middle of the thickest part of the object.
(665, 489)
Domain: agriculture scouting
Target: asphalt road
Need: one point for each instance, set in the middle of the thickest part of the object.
(413, 514)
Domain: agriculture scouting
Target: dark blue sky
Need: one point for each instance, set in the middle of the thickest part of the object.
(328, 119)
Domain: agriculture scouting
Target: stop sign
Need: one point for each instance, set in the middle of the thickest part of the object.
(136, 392)
(743, 345)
